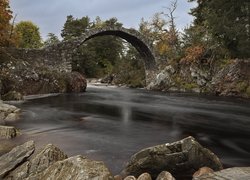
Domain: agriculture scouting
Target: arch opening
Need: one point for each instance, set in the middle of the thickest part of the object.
(143, 48)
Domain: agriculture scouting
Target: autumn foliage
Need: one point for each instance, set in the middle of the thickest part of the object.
(5, 17)
(193, 54)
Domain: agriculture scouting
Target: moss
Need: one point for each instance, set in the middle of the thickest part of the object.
(248, 91)
(223, 63)
(242, 86)
(178, 80)
(182, 83)
(190, 86)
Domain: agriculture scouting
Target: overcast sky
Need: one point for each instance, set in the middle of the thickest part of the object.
(50, 15)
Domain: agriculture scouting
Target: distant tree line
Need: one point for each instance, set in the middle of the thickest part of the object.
(221, 30)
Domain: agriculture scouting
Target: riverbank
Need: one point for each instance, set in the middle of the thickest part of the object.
(186, 159)
(229, 78)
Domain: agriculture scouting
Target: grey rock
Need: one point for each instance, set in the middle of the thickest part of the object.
(130, 178)
(202, 171)
(37, 164)
(118, 177)
(12, 96)
(196, 90)
(2, 117)
(6, 146)
(6, 108)
(15, 157)
(183, 157)
(75, 168)
(8, 113)
(236, 173)
(162, 81)
(233, 79)
(12, 117)
(169, 69)
(144, 176)
(8, 132)
(165, 175)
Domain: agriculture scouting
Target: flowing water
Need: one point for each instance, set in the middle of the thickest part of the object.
(110, 124)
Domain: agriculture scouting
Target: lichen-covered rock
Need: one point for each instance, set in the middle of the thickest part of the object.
(233, 79)
(11, 117)
(76, 82)
(6, 108)
(163, 80)
(202, 171)
(165, 175)
(6, 146)
(181, 157)
(130, 178)
(8, 132)
(12, 96)
(236, 173)
(144, 176)
(37, 164)
(118, 177)
(15, 157)
(77, 168)
(8, 113)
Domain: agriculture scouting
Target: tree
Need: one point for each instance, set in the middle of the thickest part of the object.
(29, 35)
(5, 27)
(97, 56)
(52, 39)
(130, 70)
(162, 30)
(227, 22)
(75, 27)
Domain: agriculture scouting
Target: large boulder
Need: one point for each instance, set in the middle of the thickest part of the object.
(76, 82)
(8, 113)
(165, 175)
(181, 158)
(236, 173)
(77, 168)
(6, 146)
(233, 79)
(144, 176)
(12, 96)
(202, 171)
(15, 157)
(38, 163)
(163, 80)
(8, 132)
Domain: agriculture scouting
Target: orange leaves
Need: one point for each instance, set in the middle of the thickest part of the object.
(5, 17)
(193, 54)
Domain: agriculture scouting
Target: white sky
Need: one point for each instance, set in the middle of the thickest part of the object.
(50, 15)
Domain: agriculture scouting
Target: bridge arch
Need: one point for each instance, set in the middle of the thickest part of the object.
(136, 39)
(65, 50)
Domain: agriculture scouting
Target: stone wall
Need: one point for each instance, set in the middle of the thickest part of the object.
(52, 58)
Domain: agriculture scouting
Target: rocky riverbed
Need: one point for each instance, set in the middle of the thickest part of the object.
(182, 159)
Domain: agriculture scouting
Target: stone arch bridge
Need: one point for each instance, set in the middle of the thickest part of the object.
(59, 56)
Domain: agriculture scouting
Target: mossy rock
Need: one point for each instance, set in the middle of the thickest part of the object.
(248, 91)
(242, 86)
(12, 96)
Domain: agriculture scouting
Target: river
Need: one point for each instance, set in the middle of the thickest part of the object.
(110, 124)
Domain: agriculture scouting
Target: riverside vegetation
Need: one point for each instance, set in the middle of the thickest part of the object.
(210, 56)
